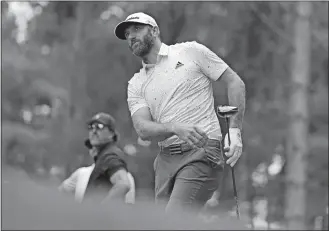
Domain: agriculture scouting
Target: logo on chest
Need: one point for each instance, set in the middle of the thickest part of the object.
(179, 64)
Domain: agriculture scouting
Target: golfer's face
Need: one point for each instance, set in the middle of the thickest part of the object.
(139, 39)
(99, 134)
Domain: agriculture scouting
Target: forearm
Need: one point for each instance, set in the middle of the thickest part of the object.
(237, 97)
(68, 186)
(149, 130)
(118, 191)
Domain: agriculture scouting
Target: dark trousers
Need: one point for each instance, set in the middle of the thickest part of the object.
(187, 180)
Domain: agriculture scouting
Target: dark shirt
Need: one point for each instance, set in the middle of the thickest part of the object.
(108, 161)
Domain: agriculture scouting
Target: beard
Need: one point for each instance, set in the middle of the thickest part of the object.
(143, 46)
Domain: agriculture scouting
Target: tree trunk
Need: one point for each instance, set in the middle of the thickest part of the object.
(78, 79)
(299, 120)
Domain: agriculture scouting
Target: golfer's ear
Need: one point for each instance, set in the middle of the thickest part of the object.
(156, 31)
(116, 136)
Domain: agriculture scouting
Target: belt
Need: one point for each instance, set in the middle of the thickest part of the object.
(177, 149)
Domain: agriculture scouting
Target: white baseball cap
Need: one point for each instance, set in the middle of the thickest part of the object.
(133, 18)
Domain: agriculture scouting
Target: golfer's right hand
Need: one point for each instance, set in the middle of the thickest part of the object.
(191, 134)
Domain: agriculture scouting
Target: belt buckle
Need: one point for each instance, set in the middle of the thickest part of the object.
(175, 149)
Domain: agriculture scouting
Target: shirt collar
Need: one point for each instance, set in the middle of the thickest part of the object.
(164, 50)
(102, 149)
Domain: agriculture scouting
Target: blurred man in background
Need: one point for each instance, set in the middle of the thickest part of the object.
(171, 101)
(108, 177)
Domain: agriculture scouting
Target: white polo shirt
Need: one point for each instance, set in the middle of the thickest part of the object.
(178, 88)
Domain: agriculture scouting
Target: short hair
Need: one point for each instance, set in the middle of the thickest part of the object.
(151, 27)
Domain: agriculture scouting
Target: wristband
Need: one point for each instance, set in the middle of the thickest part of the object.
(235, 130)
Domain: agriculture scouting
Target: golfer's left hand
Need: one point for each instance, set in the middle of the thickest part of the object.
(233, 151)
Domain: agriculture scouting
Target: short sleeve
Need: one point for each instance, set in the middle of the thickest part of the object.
(112, 163)
(116, 164)
(211, 65)
(135, 98)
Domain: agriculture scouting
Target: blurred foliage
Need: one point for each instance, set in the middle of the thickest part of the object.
(73, 63)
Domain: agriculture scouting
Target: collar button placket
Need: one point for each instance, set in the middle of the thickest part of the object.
(148, 74)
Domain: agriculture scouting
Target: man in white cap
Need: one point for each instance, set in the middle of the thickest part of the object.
(171, 101)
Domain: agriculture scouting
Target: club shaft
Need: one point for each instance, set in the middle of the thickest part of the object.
(235, 193)
(232, 171)
(228, 130)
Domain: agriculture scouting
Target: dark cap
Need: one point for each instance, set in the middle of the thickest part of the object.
(103, 118)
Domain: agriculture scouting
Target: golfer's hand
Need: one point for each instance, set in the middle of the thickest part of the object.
(213, 201)
(191, 134)
(233, 151)
(144, 143)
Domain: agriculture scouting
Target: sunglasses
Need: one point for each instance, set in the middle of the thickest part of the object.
(96, 126)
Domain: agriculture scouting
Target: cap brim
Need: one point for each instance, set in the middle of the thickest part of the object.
(95, 121)
(119, 30)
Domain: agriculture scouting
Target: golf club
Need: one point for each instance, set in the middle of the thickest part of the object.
(226, 112)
